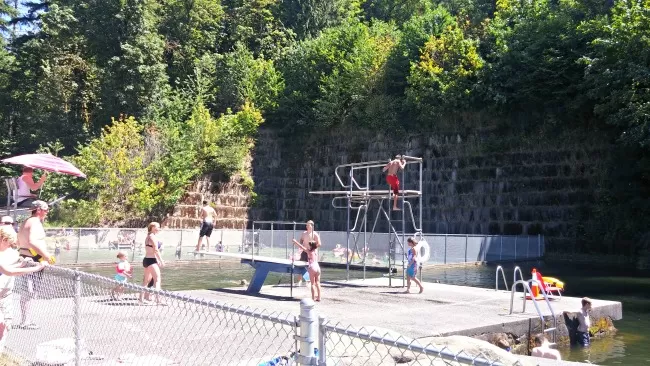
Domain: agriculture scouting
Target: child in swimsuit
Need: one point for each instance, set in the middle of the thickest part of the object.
(311, 248)
(412, 269)
(123, 271)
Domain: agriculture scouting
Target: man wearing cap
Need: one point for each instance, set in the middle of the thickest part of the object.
(31, 241)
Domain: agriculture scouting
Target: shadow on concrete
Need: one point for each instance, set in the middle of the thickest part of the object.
(258, 295)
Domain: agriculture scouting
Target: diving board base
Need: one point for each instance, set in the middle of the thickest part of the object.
(262, 270)
(262, 266)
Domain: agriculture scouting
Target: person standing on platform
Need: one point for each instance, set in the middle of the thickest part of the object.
(309, 243)
(208, 216)
(391, 170)
(412, 269)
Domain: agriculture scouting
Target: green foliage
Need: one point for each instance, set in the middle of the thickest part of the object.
(617, 74)
(336, 78)
(243, 78)
(307, 18)
(117, 177)
(443, 79)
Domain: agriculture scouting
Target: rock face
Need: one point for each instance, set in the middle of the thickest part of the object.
(471, 184)
(229, 199)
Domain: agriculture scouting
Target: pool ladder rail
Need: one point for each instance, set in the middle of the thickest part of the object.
(526, 286)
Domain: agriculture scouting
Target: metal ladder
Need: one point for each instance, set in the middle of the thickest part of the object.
(527, 285)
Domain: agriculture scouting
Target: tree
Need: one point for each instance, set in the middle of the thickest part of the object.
(241, 78)
(191, 29)
(443, 79)
(307, 18)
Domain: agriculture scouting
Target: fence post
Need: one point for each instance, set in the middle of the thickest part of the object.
(539, 246)
(308, 337)
(77, 318)
(445, 248)
(466, 238)
(501, 249)
(322, 339)
(78, 246)
(515, 247)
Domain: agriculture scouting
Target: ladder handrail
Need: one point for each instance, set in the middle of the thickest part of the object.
(407, 203)
(526, 288)
(548, 303)
(514, 275)
(503, 275)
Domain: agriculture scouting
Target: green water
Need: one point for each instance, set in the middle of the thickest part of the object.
(628, 347)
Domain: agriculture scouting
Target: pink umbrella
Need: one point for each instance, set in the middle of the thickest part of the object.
(47, 162)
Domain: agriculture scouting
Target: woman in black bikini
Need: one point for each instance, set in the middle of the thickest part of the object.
(152, 261)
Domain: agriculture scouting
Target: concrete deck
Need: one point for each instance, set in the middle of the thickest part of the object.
(192, 334)
(440, 311)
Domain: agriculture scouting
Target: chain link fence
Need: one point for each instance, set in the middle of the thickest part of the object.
(67, 317)
(77, 318)
(94, 245)
(345, 345)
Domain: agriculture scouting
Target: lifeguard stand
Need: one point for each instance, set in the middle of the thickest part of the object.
(361, 199)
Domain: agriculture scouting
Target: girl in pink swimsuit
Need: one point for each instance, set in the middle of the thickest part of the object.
(312, 258)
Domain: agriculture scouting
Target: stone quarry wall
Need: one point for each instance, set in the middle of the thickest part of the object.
(471, 185)
(230, 200)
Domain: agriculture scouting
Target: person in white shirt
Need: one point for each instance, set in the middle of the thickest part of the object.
(543, 349)
(25, 185)
(582, 334)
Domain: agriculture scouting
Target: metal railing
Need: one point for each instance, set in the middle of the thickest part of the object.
(85, 319)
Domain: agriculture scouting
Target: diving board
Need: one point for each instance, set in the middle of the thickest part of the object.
(262, 265)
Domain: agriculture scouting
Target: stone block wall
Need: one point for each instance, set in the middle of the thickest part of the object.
(229, 199)
(468, 187)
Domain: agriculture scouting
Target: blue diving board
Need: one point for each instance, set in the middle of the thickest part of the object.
(262, 265)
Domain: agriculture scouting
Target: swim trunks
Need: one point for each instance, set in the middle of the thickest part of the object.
(393, 182)
(206, 229)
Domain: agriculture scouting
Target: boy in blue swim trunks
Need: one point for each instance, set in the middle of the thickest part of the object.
(412, 269)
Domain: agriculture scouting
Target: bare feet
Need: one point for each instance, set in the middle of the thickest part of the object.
(421, 289)
(396, 209)
(407, 291)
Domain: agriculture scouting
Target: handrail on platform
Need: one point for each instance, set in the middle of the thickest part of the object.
(514, 275)
(503, 275)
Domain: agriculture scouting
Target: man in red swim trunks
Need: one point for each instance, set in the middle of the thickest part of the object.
(391, 177)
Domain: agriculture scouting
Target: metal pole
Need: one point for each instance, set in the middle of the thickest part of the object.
(501, 248)
(77, 318)
(528, 247)
(539, 246)
(466, 248)
(404, 263)
(445, 248)
(271, 239)
(308, 337)
(515, 247)
(322, 351)
(79, 246)
(420, 198)
(347, 253)
(365, 224)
